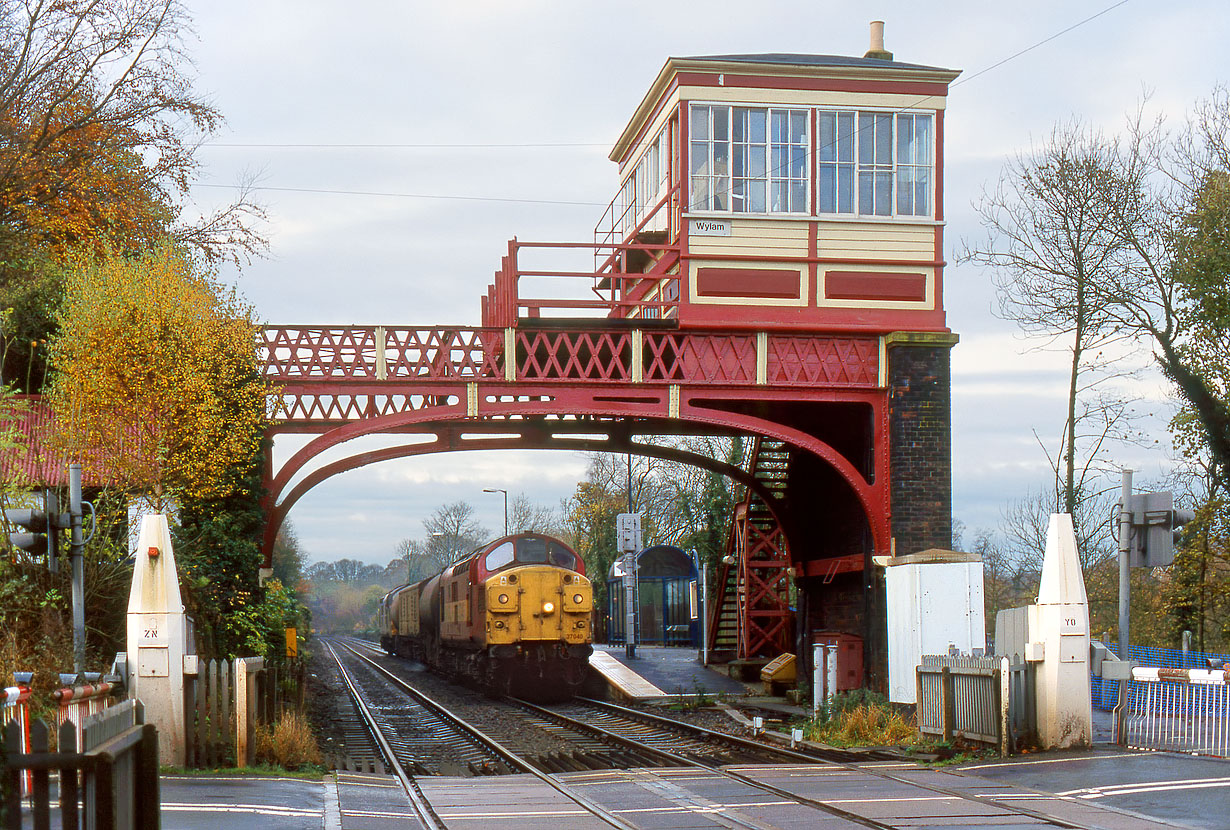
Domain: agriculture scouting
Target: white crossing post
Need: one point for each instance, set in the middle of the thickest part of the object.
(1059, 642)
(158, 637)
(831, 673)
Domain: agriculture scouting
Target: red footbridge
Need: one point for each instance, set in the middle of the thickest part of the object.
(771, 268)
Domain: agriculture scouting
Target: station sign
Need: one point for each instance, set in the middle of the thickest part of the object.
(709, 227)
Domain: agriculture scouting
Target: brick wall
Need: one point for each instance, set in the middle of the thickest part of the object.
(920, 441)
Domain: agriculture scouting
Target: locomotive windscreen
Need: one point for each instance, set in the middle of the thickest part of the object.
(535, 551)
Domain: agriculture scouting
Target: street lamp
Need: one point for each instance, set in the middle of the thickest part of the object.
(505, 492)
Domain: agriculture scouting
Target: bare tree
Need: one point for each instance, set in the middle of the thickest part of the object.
(527, 516)
(1003, 576)
(452, 533)
(413, 561)
(1162, 202)
(1050, 244)
(1026, 521)
(673, 497)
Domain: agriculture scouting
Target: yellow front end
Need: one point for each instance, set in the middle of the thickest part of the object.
(538, 603)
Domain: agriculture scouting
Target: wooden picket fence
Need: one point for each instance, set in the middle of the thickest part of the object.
(110, 784)
(986, 700)
(208, 705)
(284, 687)
(226, 700)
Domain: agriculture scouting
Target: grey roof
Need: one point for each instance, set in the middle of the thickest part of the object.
(812, 60)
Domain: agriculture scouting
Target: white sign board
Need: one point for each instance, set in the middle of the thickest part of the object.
(628, 532)
(709, 227)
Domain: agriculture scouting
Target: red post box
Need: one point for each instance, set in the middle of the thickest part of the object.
(849, 657)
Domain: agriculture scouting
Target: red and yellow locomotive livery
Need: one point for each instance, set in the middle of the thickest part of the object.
(513, 616)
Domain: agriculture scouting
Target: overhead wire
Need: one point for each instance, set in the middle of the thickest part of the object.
(769, 173)
(406, 195)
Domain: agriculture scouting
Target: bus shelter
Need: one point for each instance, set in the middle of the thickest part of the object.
(668, 610)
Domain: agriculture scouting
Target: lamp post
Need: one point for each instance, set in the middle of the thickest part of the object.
(505, 492)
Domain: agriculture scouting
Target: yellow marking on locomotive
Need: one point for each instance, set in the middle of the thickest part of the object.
(538, 603)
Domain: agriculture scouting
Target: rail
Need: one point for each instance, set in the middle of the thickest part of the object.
(1176, 710)
(831, 757)
(509, 758)
(426, 815)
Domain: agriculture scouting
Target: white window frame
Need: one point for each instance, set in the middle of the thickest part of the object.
(706, 165)
(862, 166)
(735, 174)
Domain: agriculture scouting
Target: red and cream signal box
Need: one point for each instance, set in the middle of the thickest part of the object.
(785, 191)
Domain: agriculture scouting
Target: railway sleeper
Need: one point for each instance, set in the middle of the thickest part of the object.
(591, 760)
(576, 761)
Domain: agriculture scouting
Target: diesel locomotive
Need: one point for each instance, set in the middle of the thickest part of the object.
(514, 617)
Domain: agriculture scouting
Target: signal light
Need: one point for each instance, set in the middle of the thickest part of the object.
(39, 527)
(1155, 528)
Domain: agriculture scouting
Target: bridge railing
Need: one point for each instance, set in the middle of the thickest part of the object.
(296, 354)
(629, 271)
(538, 280)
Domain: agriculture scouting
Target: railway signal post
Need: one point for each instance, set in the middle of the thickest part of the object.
(628, 533)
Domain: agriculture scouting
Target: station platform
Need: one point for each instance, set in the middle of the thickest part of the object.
(660, 672)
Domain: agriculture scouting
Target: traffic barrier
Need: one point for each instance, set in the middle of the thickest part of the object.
(76, 703)
(1177, 710)
(1106, 692)
(16, 710)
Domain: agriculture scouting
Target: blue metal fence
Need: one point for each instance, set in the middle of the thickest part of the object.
(1106, 692)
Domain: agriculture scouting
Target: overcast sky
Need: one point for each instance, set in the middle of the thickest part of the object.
(510, 108)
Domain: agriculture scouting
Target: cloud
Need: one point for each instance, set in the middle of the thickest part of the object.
(543, 73)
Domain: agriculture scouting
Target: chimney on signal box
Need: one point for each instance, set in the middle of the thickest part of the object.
(877, 50)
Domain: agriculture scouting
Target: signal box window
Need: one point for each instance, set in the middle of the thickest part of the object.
(748, 159)
(874, 163)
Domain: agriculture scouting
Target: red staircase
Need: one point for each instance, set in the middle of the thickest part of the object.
(751, 616)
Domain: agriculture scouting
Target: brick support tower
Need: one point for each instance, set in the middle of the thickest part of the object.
(920, 439)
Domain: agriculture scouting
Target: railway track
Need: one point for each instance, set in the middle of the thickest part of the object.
(422, 809)
(609, 737)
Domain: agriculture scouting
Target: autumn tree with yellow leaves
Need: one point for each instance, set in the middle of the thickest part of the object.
(107, 299)
(99, 125)
(156, 385)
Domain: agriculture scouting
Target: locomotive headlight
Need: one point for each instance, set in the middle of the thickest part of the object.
(503, 599)
(548, 608)
(578, 599)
